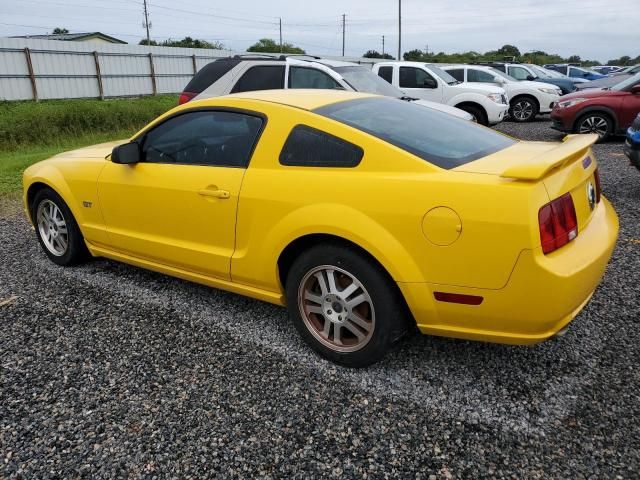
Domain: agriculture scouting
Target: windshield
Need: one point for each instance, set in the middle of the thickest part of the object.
(364, 80)
(627, 83)
(445, 76)
(541, 72)
(502, 74)
(437, 137)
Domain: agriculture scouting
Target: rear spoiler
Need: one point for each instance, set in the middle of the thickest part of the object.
(571, 148)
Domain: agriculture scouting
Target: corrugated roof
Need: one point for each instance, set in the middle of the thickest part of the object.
(73, 36)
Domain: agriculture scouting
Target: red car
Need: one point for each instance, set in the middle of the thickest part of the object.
(607, 111)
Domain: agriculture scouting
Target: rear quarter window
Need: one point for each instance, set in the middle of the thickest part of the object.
(309, 147)
(209, 74)
(261, 77)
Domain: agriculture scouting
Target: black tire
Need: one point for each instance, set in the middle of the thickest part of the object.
(386, 306)
(76, 250)
(595, 122)
(523, 109)
(478, 114)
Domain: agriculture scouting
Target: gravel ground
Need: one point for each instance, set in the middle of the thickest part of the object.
(111, 371)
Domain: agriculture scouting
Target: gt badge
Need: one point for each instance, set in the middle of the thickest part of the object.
(87, 204)
(591, 195)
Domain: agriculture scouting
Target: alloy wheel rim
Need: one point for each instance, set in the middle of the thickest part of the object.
(594, 124)
(52, 228)
(523, 110)
(336, 308)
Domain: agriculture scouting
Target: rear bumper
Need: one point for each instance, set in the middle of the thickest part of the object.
(543, 294)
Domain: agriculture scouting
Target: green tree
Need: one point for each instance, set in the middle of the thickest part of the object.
(268, 45)
(59, 31)
(509, 51)
(415, 55)
(376, 54)
(186, 42)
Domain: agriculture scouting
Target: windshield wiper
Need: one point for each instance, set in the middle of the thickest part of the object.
(455, 82)
(406, 98)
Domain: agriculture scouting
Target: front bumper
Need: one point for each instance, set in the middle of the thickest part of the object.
(543, 294)
(558, 123)
(632, 151)
(496, 112)
(547, 101)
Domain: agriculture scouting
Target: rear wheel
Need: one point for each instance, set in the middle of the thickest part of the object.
(344, 305)
(57, 230)
(476, 112)
(523, 109)
(595, 122)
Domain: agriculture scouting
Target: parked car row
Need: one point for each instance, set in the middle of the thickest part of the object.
(483, 92)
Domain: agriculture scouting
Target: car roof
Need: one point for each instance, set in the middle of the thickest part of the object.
(306, 99)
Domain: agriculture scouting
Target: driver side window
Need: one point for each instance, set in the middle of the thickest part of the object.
(215, 138)
(519, 73)
(411, 77)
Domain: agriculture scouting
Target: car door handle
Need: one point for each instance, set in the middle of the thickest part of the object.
(214, 193)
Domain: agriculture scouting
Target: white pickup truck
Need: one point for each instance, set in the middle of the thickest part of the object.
(488, 104)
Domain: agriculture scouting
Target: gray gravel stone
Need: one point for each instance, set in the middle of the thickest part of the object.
(112, 371)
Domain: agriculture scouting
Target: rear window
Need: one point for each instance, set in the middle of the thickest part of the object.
(437, 137)
(262, 77)
(209, 74)
(386, 73)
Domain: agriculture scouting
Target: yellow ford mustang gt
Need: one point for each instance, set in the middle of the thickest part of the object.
(363, 214)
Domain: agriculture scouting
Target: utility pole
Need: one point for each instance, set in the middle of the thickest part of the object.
(146, 22)
(280, 34)
(399, 29)
(383, 46)
(343, 28)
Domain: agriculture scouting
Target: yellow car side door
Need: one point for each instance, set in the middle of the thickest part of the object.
(177, 206)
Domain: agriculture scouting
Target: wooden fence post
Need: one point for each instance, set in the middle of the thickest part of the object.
(98, 75)
(195, 66)
(32, 77)
(154, 87)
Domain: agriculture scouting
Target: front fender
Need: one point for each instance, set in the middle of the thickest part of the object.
(49, 175)
(75, 180)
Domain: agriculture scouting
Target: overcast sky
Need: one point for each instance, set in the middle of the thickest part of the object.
(593, 29)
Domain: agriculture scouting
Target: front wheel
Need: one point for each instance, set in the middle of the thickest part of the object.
(477, 113)
(597, 123)
(344, 305)
(523, 109)
(57, 230)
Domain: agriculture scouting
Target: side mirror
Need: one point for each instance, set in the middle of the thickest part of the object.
(127, 153)
(530, 77)
(430, 83)
(499, 80)
(635, 89)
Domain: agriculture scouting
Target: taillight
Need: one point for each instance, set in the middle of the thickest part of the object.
(596, 176)
(558, 223)
(186, 97)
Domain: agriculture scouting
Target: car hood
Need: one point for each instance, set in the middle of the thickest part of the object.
(100, 150)
(591, 93)
(533, 84)
(441, 107)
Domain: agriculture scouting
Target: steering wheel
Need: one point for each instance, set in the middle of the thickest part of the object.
(194, 152)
